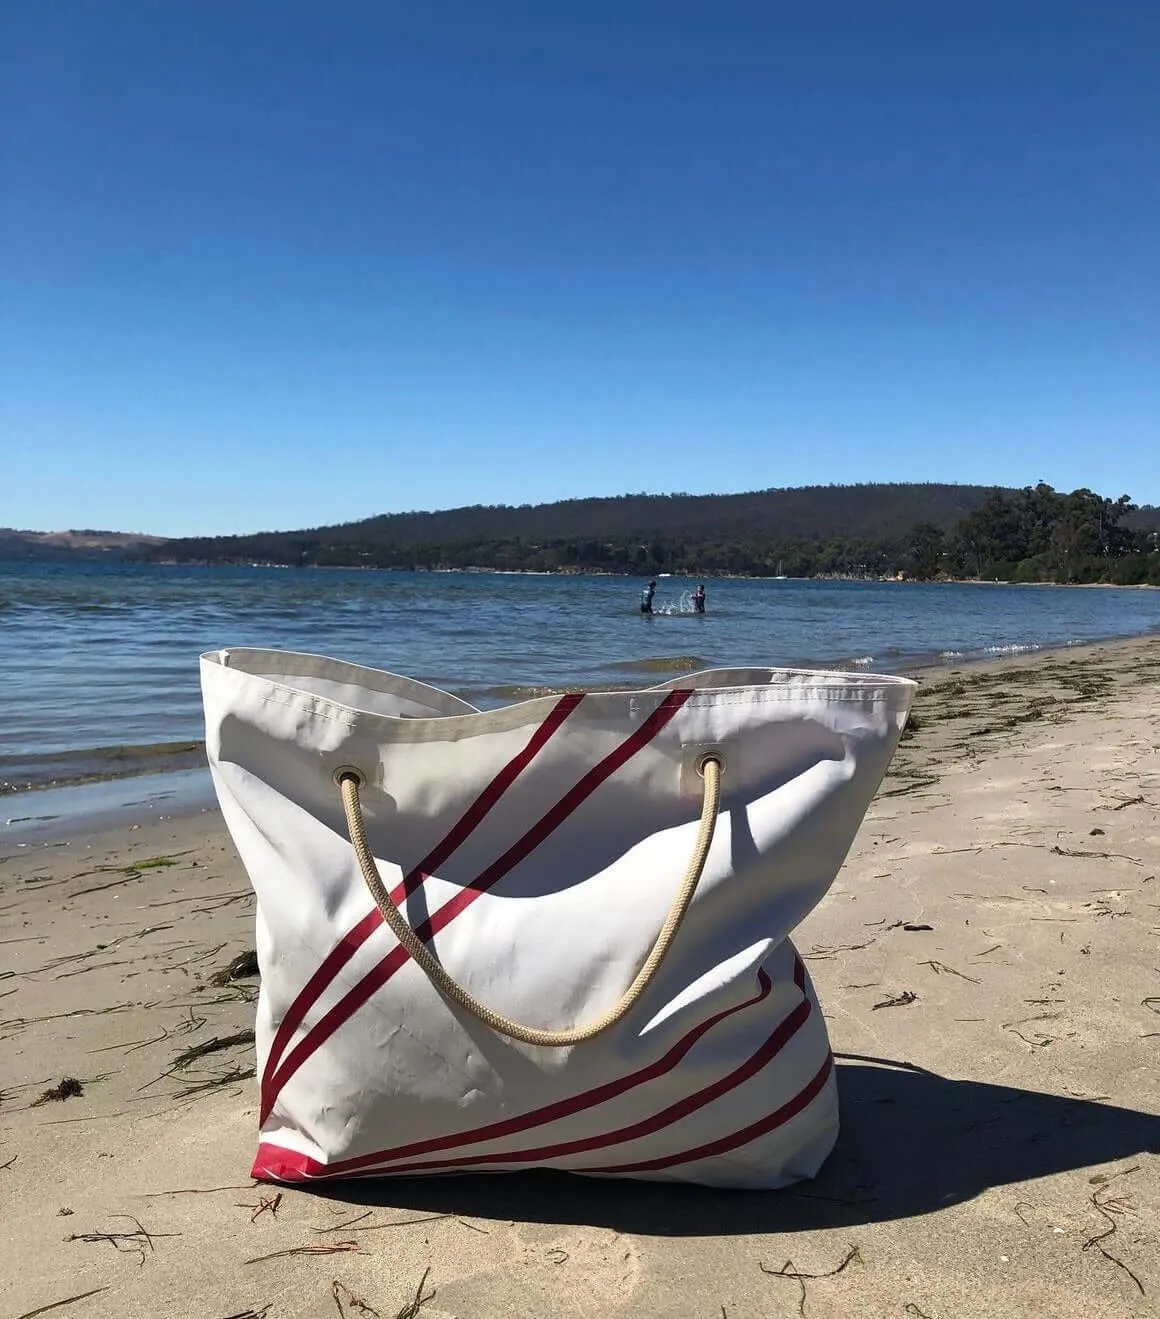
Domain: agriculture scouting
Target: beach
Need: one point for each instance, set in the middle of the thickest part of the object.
(988, 962)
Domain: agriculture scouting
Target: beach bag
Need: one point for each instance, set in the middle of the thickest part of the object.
(549, 935)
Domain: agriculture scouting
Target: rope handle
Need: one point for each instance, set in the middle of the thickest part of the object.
(709, 768)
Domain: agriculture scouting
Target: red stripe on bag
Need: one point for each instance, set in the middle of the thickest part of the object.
(353, 940)
(779, 1117)
(292, 1166)
(439, 919)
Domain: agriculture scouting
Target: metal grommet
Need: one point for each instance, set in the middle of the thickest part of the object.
(704, 759)
(348, 772)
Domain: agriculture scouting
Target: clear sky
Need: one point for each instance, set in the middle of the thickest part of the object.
(269, 265)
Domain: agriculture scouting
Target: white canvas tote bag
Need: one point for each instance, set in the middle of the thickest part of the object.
(550, 935)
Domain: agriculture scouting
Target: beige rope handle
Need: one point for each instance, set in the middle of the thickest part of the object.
(710, 770)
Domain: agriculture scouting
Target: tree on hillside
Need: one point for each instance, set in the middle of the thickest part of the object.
(991, 535)
(924, 558)
(1087, 526)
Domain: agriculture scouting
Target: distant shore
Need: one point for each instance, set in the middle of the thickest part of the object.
(690, 576)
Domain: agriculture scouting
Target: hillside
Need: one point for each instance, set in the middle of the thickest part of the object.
(73, 545)
(919, 530)
(742, 532)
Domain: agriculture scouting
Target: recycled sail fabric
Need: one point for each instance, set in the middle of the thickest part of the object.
(617, 870)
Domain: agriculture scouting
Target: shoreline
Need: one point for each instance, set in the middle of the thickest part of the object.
(707, 576)
(49, 816)
(985, 960)
(153, 764)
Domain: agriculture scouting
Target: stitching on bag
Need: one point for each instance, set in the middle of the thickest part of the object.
(775, 695)
(378, 976)
(320, 707)
(407, 728)
(307, 703)
(431, 727)
(307, 666)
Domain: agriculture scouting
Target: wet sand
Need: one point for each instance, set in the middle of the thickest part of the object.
(988, 961)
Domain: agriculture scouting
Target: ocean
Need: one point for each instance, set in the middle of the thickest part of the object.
(98, 661)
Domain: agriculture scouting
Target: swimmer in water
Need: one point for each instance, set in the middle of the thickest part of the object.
(646, 598)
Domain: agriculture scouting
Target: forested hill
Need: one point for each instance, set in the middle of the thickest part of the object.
(806, 528)
(921, 531)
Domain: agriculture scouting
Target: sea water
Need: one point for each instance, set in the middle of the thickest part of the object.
(99, 674)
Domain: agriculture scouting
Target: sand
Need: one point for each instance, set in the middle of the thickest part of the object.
(988, 961)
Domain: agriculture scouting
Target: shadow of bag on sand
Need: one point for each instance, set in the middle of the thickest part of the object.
(912, 1142)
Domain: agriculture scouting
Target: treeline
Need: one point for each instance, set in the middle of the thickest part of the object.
(921, 530)
(1040, 534)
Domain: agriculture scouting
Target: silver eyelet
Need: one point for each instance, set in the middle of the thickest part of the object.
(702, 760)
(348, 772)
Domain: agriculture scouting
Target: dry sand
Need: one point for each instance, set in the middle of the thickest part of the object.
(1000, 1125)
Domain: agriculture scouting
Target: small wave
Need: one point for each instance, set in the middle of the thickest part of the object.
(1015, 648)
(862, 662)
(664, 664)
(950, 654)
(513, 692)
(94, 764)
(488, 697)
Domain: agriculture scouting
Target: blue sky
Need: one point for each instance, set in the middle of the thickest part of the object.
(268, 265)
